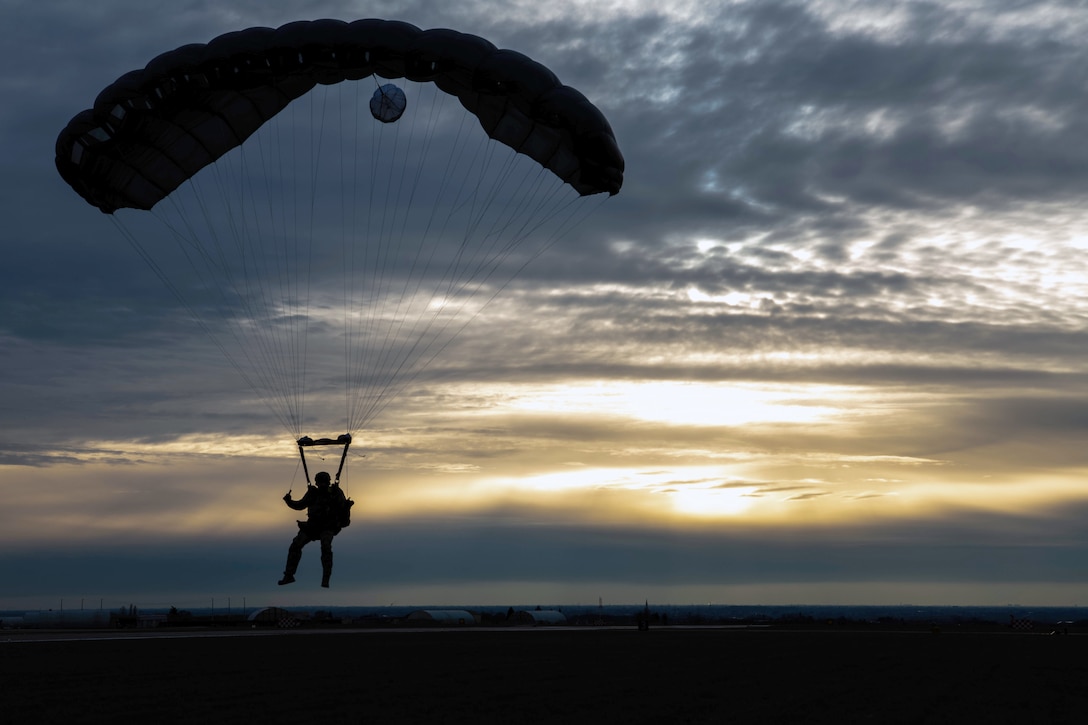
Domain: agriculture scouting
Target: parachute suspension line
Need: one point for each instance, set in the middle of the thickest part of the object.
(358, 284)
(348, 233)
(256, 329)
(281, 240)
(378, 365)
(388, 242)
(469, 270)
(362, 278)
(367, 253)
(576, 214)
(480, 257)
(571, 222)
(532, 216)
(275, 214)
(260, 325)
(280, 209)
(277, 211)
(477, 261)
(472, 219)
(424, 152)
(384, 249)
(395, 233)
(274, 322)
(316, 146)
(430, 350)
(353, 267)
(384, 308)
(246, 327)
(370, 313)
(192, 239)
(444, 291)
(271, 326)
(193, 314)
(350, 312)
(485, 198)
(347, 191)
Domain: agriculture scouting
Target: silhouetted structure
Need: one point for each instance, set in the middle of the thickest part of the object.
(448, 617)
(540, 617)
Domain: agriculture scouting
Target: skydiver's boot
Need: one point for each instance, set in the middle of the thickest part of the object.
(326, 568)
(294, 556)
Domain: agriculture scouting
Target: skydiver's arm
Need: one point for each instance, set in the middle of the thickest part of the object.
(301, 503)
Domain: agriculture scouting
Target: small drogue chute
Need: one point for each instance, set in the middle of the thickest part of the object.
(388, 103)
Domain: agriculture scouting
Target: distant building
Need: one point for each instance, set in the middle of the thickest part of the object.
(540, 617)
(446, 617)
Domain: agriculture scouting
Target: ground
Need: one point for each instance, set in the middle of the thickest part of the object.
(540, 675)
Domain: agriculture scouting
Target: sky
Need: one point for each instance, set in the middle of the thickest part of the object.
(825, 346)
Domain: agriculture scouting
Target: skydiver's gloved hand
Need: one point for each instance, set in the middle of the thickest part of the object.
(287, 496)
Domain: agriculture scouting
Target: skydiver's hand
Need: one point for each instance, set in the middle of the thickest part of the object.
(287, 496)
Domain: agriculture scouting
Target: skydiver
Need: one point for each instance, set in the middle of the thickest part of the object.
(327, 511)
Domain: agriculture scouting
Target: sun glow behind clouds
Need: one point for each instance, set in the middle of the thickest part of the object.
(685, 403)
(688, 490)
(712, 500)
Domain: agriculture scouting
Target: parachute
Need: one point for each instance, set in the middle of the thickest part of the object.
(328, 230)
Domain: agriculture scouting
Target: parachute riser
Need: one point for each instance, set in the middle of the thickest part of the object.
(307, 442)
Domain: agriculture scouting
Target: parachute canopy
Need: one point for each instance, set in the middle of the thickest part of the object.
(318, 244)
(154, 128)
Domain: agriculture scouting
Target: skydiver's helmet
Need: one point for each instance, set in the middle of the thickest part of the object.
(323, 479)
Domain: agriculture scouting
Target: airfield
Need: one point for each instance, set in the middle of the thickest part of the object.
(543, 675)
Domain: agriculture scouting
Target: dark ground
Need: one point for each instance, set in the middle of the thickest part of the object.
(665, 675)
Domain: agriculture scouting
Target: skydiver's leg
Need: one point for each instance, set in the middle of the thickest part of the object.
(294, 556)
(326, 557)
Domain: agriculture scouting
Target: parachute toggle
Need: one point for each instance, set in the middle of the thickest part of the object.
(388, 103)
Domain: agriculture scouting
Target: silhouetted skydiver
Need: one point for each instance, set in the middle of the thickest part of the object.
(326, 513)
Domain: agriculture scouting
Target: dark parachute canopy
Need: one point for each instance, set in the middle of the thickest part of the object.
(304, 234)
(154, 128)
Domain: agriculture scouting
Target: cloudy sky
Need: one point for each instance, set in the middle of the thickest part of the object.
(825, 346)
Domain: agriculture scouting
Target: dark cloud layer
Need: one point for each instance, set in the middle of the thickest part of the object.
(953, 549)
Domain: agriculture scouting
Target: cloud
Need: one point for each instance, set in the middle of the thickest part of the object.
(501, 546)
(876, 212)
